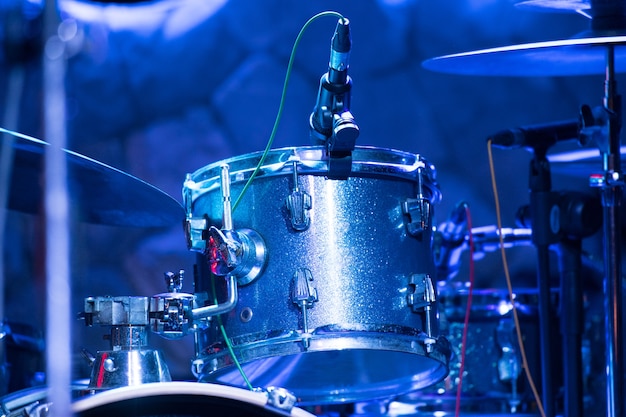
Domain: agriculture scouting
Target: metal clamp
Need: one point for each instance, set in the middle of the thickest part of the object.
(169, 312)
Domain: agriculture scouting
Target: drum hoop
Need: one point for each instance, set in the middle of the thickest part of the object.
(177, 388)
(312, 160)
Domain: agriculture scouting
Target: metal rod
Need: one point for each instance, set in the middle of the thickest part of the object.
(58, 284)
(611, 201)
(227, 218)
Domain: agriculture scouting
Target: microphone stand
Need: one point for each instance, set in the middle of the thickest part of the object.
(580, 217)
(542, 200)
(570, 263)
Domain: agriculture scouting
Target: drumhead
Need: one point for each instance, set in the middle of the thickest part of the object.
(179, 399)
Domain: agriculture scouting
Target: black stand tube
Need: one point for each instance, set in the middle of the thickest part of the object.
(612, 184)
(542, 202)
(570, 264)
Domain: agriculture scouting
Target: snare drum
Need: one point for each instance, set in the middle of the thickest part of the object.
(344, 308)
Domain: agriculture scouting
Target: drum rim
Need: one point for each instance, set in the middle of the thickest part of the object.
(312, 160)
(186, 388)
(288, 345)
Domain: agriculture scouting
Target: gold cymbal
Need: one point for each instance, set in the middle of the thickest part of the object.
(584, 56)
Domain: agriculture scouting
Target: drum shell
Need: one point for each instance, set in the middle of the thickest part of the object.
(360, 269)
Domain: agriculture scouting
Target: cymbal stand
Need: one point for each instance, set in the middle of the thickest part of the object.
(611, 184)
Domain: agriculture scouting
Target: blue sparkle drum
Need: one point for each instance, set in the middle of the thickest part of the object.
(344, 307)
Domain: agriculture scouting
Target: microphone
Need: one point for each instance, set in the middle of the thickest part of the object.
(331, 122)
(537, 136)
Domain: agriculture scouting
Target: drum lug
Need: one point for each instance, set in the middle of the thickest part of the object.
(421, 295)
(298, 204)
(195, 231)
(303, 295)
(197, 365)
(418, 210)
(420, 291)
(280, 398)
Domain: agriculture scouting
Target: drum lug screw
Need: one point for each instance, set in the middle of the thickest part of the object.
(303, 295)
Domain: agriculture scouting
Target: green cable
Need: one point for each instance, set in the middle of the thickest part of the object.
(268, 147)
(229, 345)
(281, 107)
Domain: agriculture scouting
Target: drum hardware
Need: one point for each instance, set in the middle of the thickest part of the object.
(298, 204)
(232, 253)
(304, 294)
(421, 296)
(510, 362)
(447, 248)
(418, 210)
(128, 362)
(169, 312)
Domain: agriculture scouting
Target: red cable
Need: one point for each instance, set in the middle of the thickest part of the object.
(468, 308)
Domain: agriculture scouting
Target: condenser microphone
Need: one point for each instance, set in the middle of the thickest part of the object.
(331, 122)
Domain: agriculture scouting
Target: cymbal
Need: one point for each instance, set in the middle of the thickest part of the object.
(578, 163)
(101, 194)
(561, 6)
(584, 56)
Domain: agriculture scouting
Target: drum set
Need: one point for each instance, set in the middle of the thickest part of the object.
(323, 288)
